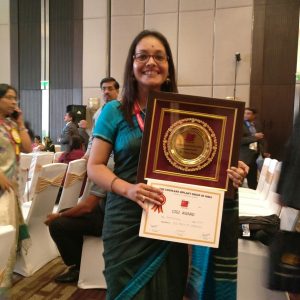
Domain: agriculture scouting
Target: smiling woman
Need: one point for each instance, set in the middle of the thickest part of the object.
(135, 267)
(13, 139)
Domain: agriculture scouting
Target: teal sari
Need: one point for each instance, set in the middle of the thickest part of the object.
(213, 273)
(135, 267)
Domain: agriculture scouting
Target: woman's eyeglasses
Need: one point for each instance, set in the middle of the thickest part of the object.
(144, 58)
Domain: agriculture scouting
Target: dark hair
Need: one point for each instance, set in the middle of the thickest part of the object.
(4, 88)
(130, 85)
(72, 115)
(253, 110)
(37, 137)
(110, 79)
(75, 142)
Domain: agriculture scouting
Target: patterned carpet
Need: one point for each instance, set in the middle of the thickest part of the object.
(41, 286)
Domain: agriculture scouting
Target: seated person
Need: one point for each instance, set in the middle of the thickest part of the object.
(37, 144)
(74, 150)
(49, 146)
(68, 227)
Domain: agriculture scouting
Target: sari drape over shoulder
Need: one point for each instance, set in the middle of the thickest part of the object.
(10, 211)
(135, 267)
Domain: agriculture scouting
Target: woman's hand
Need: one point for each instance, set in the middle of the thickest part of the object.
(142, 192)
(238, 174)
(5, 184)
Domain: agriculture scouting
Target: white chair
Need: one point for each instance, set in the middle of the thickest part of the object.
(57, 148)
(261, 181)
(288, 218)
(25, 162)
(268, 203)
(42, 248)
(57, 156)
(249, 196)
(7, 238)
(86, 190)
(74, 179)
(92, 264)
(39, 159)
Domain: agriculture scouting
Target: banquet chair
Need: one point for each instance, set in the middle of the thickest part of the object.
(57, 148)
(39, 159)
(261, 180)
(25, 161)
(268, 205)
(92, 264)
(259, 195)
(57, 156)
(42, 248)
(74, 179)
(87, 189)
(7, 237)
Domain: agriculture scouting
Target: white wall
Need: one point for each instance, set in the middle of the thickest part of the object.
(95, 53)
(204, 37)
(5, 42)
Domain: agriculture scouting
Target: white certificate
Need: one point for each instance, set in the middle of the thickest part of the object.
(190, 214)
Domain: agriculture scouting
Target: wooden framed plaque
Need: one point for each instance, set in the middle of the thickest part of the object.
(190, 139)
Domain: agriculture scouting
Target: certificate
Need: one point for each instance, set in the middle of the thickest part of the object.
(190, 214)
(192, 140)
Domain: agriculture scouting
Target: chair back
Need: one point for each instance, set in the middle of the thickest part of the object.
(25, 162)
(57, 148)
(42, 248)
(39, 159)
(46, 189)
(273, 198)
(269, 178)
(75, 176)
(263, 173)
(87, 189)
(57, 156)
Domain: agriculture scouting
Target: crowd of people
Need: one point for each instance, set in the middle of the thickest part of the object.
(135, 267)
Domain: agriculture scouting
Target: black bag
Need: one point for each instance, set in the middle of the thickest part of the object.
(258, 228)
(284, 262)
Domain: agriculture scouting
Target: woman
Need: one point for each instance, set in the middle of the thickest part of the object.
(135, 267)
(49, 146)
(13, 139)
(74, 150)
(37, 144)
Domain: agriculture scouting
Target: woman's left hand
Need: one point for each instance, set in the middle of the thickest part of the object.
(238, 174)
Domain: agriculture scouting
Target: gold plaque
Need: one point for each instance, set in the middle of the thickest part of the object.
(190, 144)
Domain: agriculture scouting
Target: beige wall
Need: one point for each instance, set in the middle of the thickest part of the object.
(5, 42)
(94, 46)
(204, 37)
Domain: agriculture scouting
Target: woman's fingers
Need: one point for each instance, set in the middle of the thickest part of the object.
(237, 175)
(243, 166)
(144, 192)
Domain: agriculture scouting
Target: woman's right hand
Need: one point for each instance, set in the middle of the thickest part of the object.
(142, 192)
(5, 184)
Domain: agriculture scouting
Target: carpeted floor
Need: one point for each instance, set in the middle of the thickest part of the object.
(41, 286)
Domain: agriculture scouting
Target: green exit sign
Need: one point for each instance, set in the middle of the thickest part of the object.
(44, 84)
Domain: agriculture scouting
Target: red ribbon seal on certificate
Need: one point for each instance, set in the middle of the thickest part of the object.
(157, 207)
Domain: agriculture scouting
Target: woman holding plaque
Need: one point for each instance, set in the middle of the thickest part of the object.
(13, 139)
(135, 267)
